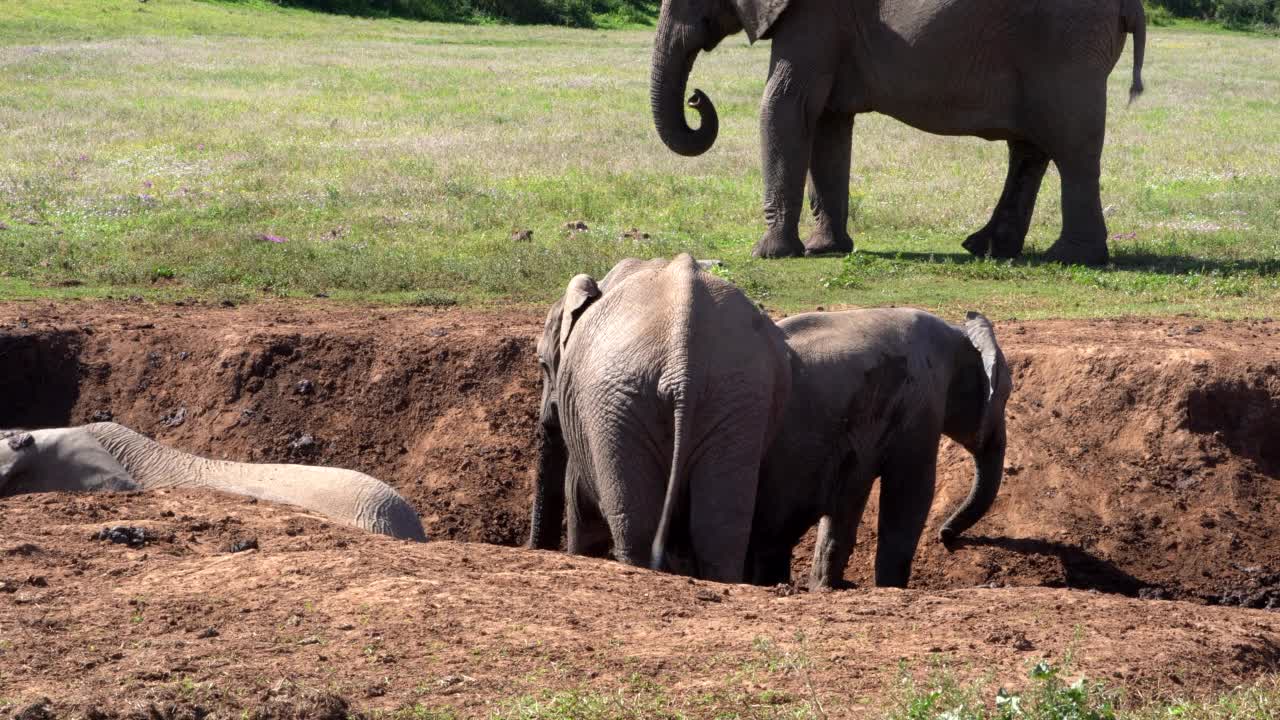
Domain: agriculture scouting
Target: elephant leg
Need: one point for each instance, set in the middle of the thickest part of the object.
(787, 119)
(722, 495)
(771, 567)
(837, 536)
(1084, 231)
(1005, 233)
(829, 185)
(906, 493)
(588, 531)
(1076, 148)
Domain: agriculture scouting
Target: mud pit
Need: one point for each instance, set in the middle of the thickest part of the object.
(1144, 459)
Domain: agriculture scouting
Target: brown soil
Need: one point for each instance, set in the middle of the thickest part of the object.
(1144, 458)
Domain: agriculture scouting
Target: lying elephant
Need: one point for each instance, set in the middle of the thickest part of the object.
(873, 392)
(111, 457)
(662, 387)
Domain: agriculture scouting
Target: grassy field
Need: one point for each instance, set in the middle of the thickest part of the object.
(158, 149)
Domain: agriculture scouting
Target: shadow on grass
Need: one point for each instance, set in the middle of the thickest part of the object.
(1082, 569)
(1139, 261)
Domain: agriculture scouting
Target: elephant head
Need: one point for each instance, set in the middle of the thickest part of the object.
(988, 442)
(684, 28)
(548, 500)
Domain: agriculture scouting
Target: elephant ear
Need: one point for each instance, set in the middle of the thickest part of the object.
(582, 291)
(758, 16)
(16, 443)
(20, 440)
(999, 379)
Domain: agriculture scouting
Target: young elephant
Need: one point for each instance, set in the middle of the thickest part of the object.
(662, 388)
(110, 457)
(873, 392)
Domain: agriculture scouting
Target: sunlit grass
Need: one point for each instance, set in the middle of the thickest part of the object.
(147, 149)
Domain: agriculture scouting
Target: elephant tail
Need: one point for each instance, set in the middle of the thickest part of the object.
(1135, 21)
(682, 445)
(990, 445)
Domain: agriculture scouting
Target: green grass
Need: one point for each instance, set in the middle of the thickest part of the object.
(1053, 693)
(147, 148)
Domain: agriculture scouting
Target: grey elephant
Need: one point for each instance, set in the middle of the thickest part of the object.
(662, 387)
(1031, 74)
(873, 392)
(109, 457)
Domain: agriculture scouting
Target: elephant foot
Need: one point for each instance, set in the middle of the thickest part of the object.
(778, 244)
(1075, 252)
(978, 244)
(824, 241)
(1001, 242)
(831, 586)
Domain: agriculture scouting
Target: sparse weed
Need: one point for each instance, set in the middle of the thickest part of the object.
(1048, 697)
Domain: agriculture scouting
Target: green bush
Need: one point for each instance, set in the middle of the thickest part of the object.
(1246, 13)
(1202, 9)
(1238, 14)
(574, 13)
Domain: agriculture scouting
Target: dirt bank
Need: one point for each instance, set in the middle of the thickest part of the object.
(1144, 462)
(1143, 457)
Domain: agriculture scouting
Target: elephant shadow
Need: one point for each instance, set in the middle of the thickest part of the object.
(1122, 260)
(1082, 569)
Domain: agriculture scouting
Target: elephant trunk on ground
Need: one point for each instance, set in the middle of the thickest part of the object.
(673, 56)
(344, 495)
(549, 492)
(989, 461)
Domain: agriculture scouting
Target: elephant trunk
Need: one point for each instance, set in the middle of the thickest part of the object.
(673, 56)
(345, 496)
(989, 462)
(548, 492)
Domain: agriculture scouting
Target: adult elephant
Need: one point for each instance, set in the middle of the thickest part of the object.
(1031, 74)
(662, 388)
(108, 457)
(873, 392)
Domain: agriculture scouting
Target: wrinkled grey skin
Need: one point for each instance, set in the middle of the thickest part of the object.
(873, 392)
(1031, 74)
(662, 388)
(110, 457)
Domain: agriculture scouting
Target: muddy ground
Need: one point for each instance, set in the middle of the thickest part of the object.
(1137, 523)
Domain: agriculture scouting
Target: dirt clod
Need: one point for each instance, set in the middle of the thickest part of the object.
(241, 545)
(39, 710)
(707, 595)
(134, 537)
(175, 419)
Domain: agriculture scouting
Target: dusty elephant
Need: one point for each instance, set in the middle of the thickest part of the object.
(1031, 74)
(873, 392)
(662, 387)
(111, 457)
